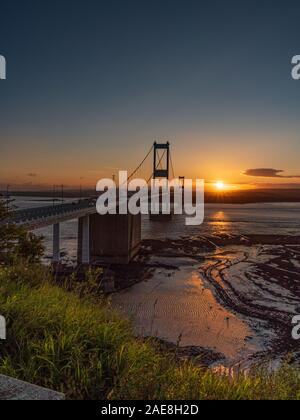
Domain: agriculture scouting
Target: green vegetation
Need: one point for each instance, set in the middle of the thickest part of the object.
(72, 342)
(84, 349)
(15, 241)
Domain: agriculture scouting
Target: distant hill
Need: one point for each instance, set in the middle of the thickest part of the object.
(254, 196)
(227, 197)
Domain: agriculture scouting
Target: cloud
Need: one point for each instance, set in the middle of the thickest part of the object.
(268, 173)
(32, 175)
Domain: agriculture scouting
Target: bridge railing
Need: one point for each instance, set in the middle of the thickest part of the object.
(22, 216)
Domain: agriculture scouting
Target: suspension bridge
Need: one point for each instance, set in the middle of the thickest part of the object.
(109, 238)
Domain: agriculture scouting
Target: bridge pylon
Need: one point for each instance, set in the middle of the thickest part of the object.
(161, 164)
(161, 170)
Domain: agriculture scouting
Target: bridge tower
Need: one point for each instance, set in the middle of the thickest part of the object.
(161, 164)
(161, 169)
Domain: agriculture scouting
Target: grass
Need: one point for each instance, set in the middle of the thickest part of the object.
(83, 348)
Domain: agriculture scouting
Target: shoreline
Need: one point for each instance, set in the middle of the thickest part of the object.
(241, 275)
(270, 315)
(233, 197)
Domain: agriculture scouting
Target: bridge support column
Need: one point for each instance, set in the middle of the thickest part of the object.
(115, 239)
(84, 249)
(56, 243)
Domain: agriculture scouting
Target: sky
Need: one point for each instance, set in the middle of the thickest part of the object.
(91, 84)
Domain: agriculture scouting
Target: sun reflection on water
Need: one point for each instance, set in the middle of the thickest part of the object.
(220, 223)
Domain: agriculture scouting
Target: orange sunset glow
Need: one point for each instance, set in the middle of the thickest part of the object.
(220, 185)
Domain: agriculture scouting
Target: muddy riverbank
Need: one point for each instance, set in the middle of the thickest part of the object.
(225, 299)
(232, 295)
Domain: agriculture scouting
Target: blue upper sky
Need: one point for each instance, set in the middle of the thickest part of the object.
(90, 84)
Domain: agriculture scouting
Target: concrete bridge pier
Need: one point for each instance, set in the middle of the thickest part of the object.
(56, 243)
(85, 240)
(159, 215)
(112, 239)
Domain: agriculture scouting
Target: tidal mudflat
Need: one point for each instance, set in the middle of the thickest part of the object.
(234, 296)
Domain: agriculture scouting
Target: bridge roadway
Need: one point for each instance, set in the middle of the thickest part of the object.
(36, 218)
(125, 231)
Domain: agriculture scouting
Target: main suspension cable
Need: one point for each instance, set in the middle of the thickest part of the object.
(140, 165)
(172, 166)
(163, 155)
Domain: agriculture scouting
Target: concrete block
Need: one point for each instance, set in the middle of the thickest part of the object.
(13, 389)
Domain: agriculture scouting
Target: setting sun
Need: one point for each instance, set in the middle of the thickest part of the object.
(220, 185)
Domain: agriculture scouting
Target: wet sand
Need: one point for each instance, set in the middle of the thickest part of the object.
(232, 295)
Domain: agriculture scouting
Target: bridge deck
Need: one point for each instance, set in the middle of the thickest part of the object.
(40, 217)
